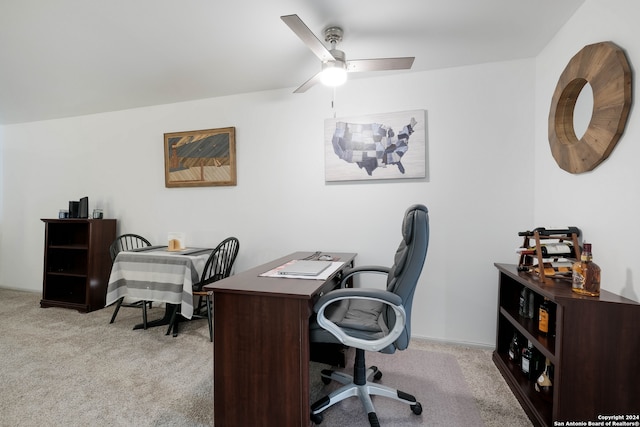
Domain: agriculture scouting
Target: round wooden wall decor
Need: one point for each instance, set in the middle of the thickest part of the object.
(604, 66)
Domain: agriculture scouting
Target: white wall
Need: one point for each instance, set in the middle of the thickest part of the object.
(478, 191)
(604, 203)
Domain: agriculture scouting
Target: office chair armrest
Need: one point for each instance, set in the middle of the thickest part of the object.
(374, 269)
(385, 297)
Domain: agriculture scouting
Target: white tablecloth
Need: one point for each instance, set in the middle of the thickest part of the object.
(157, 275)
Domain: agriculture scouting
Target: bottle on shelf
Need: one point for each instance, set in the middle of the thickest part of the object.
(530, 361)
(544, 384)
(531, 306)
(515, 349)
(526, 303)
(586, 274)
(525, 359)
(522, 308)
(544, 317)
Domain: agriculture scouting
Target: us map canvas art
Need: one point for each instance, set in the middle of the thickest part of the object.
(379, 146)
(200, 158)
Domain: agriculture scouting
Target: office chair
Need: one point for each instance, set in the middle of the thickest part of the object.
(371, 319)
(127, 242)
(218, 266)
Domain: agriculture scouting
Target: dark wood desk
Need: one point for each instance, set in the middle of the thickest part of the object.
(261, 345)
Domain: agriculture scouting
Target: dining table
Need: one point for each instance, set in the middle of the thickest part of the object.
(155, 273)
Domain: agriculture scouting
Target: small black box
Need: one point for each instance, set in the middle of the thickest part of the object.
(83, 209)
(74, 208)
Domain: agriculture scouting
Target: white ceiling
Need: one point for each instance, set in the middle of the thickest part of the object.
(72, 57)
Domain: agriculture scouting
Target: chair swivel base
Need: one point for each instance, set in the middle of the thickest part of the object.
(364, 391)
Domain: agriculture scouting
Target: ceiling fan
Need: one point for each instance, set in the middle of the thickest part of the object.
(334, 62)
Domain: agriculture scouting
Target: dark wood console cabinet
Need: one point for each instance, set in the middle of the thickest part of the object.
(595, 351)
(77, 263)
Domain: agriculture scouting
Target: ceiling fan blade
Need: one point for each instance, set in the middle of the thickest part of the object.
(379, 64)
(307, 36)
(307, 85)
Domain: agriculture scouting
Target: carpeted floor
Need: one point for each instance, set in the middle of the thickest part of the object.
(434, 378)
(61, 367)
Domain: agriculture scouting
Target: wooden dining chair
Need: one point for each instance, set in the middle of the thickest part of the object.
(218, 266)
(127, 242)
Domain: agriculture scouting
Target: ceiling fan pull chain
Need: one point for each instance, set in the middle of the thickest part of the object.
(333, 103)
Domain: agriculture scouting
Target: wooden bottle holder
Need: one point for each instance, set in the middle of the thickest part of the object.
(539, 235)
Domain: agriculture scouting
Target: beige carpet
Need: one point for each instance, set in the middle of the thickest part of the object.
(61, 367)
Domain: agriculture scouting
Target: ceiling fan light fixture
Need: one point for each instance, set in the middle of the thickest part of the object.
(334, 73)
(334, 61)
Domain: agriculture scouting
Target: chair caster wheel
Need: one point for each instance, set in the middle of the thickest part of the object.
(326, 376)
(317, 418)
(417, 408)
(378, 373)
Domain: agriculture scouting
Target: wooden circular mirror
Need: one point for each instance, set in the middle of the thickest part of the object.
(604, 66)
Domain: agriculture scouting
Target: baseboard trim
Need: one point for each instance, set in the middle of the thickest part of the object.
(481, 346)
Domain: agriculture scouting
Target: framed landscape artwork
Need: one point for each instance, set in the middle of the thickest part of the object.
(376, 147)
(200, 158)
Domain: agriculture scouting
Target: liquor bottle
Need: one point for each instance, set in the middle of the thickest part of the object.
(544, 317)
(531, 307)
(536, 366)
(555, 267)
(526, 358)
(544, 384)
(526, 303)
(514, 349)
(586, 274)
(564, 249)
(550, 250)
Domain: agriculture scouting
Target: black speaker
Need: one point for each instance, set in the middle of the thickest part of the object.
(83, 208)
(73, 209)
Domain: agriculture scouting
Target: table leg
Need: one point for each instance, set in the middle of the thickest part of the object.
(173, 322)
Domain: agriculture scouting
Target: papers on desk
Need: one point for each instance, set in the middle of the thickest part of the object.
(323, 275)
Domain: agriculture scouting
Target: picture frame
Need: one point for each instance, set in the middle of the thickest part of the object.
(200, 158)
(386, 146)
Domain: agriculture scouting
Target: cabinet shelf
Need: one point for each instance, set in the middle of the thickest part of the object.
(66, 274)
(592, 346)
(529, 328)
(76, 247)
(77, 263)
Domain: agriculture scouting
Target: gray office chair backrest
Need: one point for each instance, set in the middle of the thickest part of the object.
(407, 267)
(366, 317)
